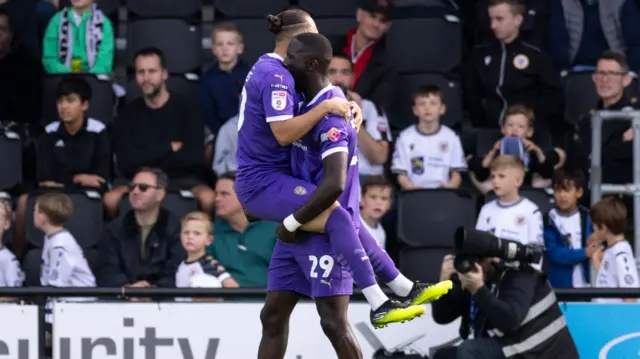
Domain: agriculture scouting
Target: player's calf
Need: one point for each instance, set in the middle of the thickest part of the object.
(335, 325)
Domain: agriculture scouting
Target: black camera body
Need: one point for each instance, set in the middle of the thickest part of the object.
(471, 246)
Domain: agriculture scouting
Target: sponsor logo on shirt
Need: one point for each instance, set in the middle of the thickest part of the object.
(278, 100)
(332, 135)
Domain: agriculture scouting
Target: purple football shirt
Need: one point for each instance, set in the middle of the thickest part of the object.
(268, 95)
(331, 135)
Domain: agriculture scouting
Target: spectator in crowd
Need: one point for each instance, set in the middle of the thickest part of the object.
(611, 77)
(224, 155)
(373, 77)
(79, 38)
(222, 84)
(10, 271)
(429, 154)
(243, 248)
(510, 216)
(21, 77)
(374, 204)
(30, 19)
(510, 71)
(613, 260)
(73, 153)
(535, 22)
(566, 232)
(195, 236)
(374, 142)
(518, 125)
(581, 30)
(160, 129)
(142, 247)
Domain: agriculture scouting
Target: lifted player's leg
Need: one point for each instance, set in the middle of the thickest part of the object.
(415, 293)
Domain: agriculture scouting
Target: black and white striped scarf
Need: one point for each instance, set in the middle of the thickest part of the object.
(93, 35)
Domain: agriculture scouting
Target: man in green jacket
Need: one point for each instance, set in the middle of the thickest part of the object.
(243, 248)
(79, 38)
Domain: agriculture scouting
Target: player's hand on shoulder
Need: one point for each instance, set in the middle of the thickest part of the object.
(338, 106)
(284, 234)
(356, 111)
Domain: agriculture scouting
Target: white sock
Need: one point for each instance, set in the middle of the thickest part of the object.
(401, 285)
(375, 296)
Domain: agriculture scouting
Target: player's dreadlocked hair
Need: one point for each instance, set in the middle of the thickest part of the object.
(289, 23)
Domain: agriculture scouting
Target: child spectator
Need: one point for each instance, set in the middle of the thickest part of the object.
(616, 264)
(375, 202)
(221, 85)
(10, 272)
(79, 38)
(517, 129)
(428, 155)
(63, 262)
(510, 216)
(566, 232)
(195, 236)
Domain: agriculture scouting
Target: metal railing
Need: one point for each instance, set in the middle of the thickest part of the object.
(598, 189)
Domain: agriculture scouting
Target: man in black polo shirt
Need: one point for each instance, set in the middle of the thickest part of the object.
(163, 130)
(74, 152)
(611, 78)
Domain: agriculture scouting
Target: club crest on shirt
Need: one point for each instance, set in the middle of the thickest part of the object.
(628, 278)
(520, 220)
(300, 191)
(521, 62)
(278, 100)
(417, 165)
(444, 146)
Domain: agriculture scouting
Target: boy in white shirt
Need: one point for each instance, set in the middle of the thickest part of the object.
(195, 236)
(10, 272)
(374, 204)
(616, 264)
(63, 262)
(428, 155)
(511, 216)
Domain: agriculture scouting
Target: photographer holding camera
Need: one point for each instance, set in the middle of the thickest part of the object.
(508, 308)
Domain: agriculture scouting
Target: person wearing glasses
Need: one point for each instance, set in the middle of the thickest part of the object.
(611, 78)
(142, 247)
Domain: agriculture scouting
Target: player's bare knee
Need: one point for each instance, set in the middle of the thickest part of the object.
(334, 327)
(274, 319)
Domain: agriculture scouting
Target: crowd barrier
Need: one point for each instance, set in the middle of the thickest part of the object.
(111, 328)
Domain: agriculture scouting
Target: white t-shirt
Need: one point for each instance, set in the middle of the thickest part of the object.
(11, 274)
(570, 228)
(377, 127)
(519, 221)
(205, 265)
(64, 265)
(617, 270)
(428, 159)
(377, 232)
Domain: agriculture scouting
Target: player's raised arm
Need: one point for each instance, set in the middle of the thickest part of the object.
(287, 131)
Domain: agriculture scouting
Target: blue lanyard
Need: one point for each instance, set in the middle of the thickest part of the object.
(473, 313)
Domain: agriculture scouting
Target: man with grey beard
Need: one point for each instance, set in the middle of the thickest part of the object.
(160, 129)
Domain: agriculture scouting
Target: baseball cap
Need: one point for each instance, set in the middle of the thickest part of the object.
(376, 6)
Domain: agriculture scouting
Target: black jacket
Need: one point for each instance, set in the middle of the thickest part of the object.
(120, 251)
(377, 82)
(617, 155)
(500, 75)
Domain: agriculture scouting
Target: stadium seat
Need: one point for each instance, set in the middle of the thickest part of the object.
(580, 95)
(180, 42)
(164, 8)
(487, 138)
(180, 203)
(100, 106)
(423, 263)
(401, 114)
(426, 40)
(187, 85)
(329, 8)
(539, 196)
(11, 164)
(85, 224)
(430, 217)
(335, 27)
(256, 42)
(93, 258)
(31, 265)
(249, 9)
